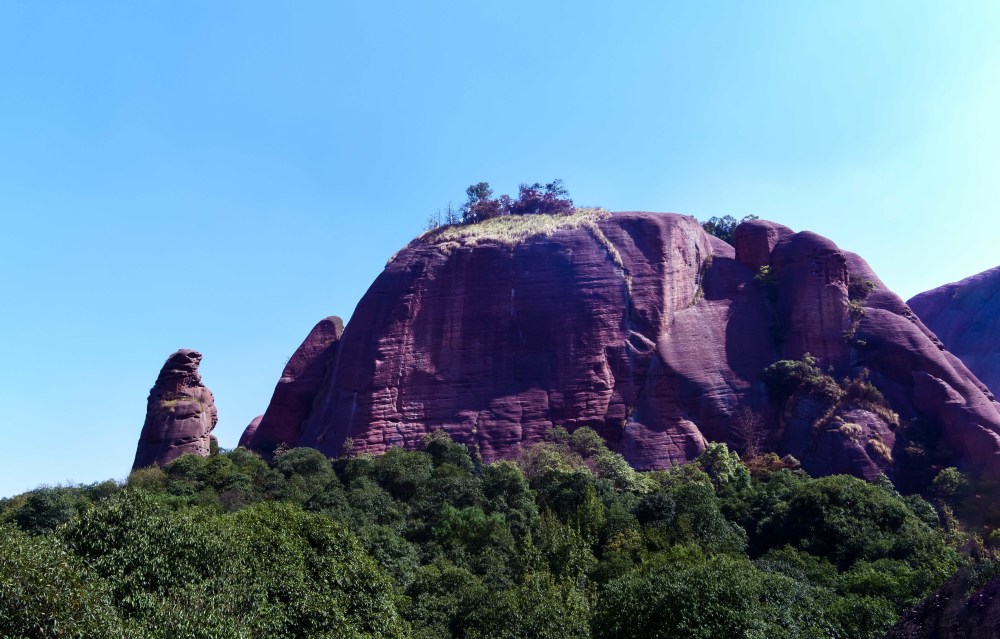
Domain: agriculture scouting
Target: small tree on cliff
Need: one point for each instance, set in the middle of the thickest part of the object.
(724, 227)
(541, 199)
(532, 199)
(480, 205)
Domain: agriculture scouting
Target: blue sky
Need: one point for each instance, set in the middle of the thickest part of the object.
(220, 176)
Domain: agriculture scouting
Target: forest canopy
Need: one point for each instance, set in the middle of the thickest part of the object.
(566, 541)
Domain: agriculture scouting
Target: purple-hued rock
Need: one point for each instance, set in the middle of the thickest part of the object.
(950, 613)
(965, 316)
(755, 240)
(180, 413)
(249, 431)
(644, 328)
(292, 401)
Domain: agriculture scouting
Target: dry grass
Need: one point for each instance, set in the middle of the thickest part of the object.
(880, 449)
(511, 230)
(851, 431)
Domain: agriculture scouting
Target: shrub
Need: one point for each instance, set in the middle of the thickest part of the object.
(787, 377)
(47, 592)
(532, 199)
(859, 288)
(47, 508)
(536, 199)
(724, 227)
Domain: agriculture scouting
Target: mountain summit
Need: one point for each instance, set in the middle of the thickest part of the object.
(654, 333)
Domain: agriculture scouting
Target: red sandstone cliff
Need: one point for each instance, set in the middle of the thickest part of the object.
(642, 327)
(180, 413)
(953, 611)
(965, 315)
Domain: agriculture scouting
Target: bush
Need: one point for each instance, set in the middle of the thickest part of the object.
(859, 288)
(532, 199)
(724, 227)
(47, 508)
(685, 593)
(788, 377)
(45, 591)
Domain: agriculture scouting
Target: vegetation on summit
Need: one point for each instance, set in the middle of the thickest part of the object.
(480, 205)
(566, 541)
(724, 227)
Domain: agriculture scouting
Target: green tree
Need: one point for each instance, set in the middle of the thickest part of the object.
(724, 227)
(46, 592)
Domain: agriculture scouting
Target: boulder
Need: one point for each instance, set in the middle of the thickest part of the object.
(180, 413)
(965, 316)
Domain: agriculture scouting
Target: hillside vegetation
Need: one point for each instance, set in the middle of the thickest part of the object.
(567, 541)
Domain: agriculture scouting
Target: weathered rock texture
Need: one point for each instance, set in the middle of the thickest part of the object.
(965, 315)
(952, 612)
(292, 401)
(180, 413)
(250, 431)
(646, 329)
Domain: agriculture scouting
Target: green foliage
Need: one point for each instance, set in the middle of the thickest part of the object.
(45, 509)
(788, 377)
(685, 593)
(443, 450)
(846, 520)
(950, 486)
(46, 591)
(859, 288)
(724, 227)
(566, 541)
(175, 572)
(724, 467)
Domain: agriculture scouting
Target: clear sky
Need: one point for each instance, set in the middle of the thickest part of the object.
(220, 176)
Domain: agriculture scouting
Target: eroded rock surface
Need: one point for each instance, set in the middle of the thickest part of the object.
(965, 316)
(180, 413)
(292, 401)
(952, 611)
(653, 333)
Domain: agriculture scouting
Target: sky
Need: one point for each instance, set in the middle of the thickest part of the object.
(221, 175)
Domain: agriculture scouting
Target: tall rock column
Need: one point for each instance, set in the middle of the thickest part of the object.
(180, 413)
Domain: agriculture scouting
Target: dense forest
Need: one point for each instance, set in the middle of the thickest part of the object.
(566, 541)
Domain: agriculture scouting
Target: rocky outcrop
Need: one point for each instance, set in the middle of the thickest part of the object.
(965, 316)
(954, 610)
(250, 431)
(180, 413)
(292, 401)
(653, 333)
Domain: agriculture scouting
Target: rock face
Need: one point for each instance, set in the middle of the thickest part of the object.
(653, 333)
(250, 431)
(180, 413)
(950, 612)
(965, 315)
(292, 401)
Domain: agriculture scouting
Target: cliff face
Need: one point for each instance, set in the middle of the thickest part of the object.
(965, 315)
(646, 329)
(293, 397)
(952, 612)
(180, 413)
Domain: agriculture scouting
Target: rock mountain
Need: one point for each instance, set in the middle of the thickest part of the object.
(966, 316)
(650, 331)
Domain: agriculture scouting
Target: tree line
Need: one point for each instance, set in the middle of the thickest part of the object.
(480, 205)
(565, 541)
